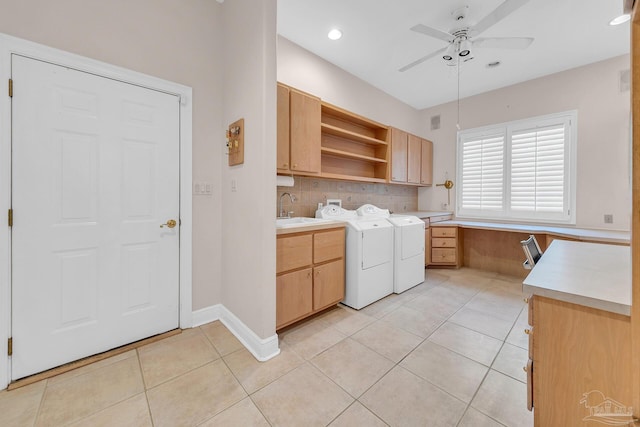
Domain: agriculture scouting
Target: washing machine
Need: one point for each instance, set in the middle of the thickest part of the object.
(408, 258)
(368, 253)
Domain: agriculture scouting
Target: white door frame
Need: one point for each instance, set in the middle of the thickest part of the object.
(10, 45)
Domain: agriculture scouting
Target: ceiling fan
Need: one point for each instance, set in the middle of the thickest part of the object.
(461, 38)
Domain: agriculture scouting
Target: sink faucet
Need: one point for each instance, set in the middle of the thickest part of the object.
(281, 212)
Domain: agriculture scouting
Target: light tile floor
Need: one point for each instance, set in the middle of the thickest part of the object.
(448, 352)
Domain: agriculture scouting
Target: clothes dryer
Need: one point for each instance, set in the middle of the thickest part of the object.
(409, 240)
(369, 256)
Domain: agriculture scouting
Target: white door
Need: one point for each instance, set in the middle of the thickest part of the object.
(95, 172)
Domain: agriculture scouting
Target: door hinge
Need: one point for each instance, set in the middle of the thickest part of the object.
(10, 346)
(10, 217)
(10, 88)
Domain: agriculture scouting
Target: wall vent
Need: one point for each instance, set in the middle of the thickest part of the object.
(435, 122)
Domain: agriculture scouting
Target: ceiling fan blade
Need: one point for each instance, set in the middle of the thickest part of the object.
(423, 29)
(423, 59)
(502, 11)
(504, 42)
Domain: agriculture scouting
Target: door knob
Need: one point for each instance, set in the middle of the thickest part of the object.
(171, 223)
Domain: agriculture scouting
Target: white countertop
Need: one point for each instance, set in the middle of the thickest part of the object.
(590, 274)
(425, 214)
(605, 236)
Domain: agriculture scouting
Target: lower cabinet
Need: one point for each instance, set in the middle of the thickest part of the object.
(579, 367)
(445, 247)
(308, 284)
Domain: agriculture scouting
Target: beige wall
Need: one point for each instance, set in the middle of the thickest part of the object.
(248, 228)
(603, 183)
(178, 41)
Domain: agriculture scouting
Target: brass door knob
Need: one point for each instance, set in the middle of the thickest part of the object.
(171, 223)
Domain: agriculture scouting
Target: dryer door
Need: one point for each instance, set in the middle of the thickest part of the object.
(412, 240)
(377, 244)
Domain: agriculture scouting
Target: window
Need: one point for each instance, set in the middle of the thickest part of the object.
(519, 170)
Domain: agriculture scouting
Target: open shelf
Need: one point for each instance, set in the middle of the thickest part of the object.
(353, 147)
(346, 134)
(350, 155)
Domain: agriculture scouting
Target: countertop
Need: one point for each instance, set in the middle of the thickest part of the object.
(594, 275)
(425, 214)
(303, 228)
(604, 236)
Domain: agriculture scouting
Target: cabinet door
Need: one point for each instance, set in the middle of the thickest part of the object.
(294, 296)
(398, 155)
(426, 164)
(427, 246)
(414, 157)
(304, 132)
(328, 284)
(283, 128)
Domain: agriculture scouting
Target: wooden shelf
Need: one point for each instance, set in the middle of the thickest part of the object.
(350, 155)
(352, 178)
(343, 133)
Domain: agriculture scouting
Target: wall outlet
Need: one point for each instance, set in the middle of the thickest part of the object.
(608, 218)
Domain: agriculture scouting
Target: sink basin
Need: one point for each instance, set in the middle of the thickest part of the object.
(299, 221)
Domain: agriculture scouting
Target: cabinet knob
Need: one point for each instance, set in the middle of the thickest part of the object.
(526, 300)
(524, 368)
(285, 165)
(295, 166)
(528, 331)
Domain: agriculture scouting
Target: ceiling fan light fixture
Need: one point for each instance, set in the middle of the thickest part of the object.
(449, 54)
(620, 19)
(465, 48)
(334, 34)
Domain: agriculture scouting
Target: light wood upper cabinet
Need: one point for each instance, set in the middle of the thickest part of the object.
(283, 128)
(426, 163)
(411, 159)
(398, 155)
(414, 158)
(304, 132)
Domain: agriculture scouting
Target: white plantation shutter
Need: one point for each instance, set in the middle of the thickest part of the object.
(518, 170)
(538, 170)
(482, 172)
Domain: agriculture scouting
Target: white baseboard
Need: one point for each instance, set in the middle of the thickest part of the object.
(262, 349)
(206, 315)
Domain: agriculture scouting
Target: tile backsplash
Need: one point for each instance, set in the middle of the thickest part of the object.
(309, 191)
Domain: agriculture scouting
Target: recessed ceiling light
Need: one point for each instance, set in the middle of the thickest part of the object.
(334, 34)
(620, 19)
(493, 64)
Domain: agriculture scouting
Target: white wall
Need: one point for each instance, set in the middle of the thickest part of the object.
(248, 228)
(178, 41)
(306, 71)
(603, 151)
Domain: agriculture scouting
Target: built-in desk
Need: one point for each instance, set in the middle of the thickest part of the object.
(579, 368)
(496, 246)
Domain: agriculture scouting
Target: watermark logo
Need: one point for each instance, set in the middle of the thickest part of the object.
(605, 410)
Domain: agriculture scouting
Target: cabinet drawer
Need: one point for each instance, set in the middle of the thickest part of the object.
(443, 255)
(294, 296)
(443, 242)
(444, 231)
(293, 252)
(328, 245)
